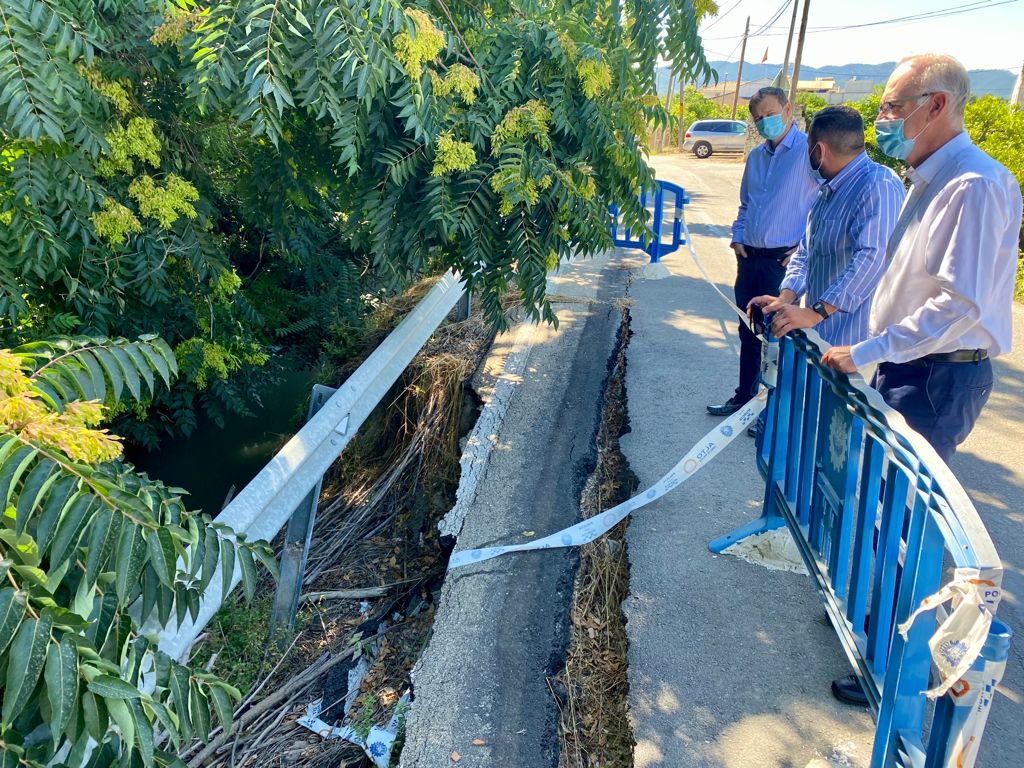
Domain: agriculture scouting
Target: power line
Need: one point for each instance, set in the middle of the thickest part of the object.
(926, 16)
(722, 15)
(772, 20)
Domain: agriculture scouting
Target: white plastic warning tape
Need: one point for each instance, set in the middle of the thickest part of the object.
(704, 451)
(588, 530)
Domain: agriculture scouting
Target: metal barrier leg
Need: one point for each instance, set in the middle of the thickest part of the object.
(297, 538)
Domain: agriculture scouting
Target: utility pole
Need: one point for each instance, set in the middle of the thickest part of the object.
(789, 40)
(799, 52)
(1017, 97)
(739, 73)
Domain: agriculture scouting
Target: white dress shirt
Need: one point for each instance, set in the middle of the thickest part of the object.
(952, 261)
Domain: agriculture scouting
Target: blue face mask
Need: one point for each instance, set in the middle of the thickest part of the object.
(816, 172)
(771, 127)
(891, 139)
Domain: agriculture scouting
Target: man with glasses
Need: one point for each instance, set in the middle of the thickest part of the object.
(775, 195)
(943, 307)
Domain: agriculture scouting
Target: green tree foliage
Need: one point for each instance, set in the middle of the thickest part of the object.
(90, 552)
(697, 106)
(812, 104)
(235, 175)
(998, 128)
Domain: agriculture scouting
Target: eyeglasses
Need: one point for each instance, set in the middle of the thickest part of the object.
(888, 106)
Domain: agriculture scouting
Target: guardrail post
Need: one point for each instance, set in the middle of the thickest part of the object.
(297, 538)
(464, 307)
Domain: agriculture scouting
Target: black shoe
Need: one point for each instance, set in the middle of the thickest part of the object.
(849, 691)
(727, 408)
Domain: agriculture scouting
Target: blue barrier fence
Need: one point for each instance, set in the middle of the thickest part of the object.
(877, 517)
(665, 234)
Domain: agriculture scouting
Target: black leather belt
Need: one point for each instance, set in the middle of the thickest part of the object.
(959, 356)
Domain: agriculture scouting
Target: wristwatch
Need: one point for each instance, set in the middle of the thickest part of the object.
(819, 307)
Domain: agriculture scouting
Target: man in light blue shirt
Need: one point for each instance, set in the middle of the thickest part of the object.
(775, 195)
(841, 257)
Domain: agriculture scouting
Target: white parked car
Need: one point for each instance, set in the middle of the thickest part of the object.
(705, 137)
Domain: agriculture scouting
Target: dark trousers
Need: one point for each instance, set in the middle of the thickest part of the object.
(759, 274)
(941, 401)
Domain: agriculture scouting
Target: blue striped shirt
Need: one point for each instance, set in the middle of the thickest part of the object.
(841, 257)
(776, 193)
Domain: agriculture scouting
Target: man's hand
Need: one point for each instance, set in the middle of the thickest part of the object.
(770, 304)
(740, 250)
(839, 359)
(789, 317)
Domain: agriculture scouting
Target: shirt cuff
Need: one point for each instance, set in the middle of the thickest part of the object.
(868, 352)
(795, 284)
(840, 299)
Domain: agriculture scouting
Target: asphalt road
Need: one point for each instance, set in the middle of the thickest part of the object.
(990, 464)
(502, 626)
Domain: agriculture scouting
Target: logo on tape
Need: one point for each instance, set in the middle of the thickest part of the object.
(953, 651)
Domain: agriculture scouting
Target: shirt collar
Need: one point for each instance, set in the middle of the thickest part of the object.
(930, 168)
(851, 169)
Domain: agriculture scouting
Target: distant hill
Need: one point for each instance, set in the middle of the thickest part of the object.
(998, 82)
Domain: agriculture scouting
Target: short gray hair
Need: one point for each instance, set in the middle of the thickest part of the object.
(937, 72)
(768, 90)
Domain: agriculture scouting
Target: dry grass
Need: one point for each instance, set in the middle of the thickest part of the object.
(595, 726)
(376, 527)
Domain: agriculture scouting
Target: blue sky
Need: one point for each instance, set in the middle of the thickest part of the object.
(989, 36)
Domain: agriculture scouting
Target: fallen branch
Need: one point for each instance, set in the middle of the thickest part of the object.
(347, 594)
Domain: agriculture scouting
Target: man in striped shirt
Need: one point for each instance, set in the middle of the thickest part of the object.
(775, 195)
(841, 257)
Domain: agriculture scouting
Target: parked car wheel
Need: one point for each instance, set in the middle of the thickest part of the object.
(702, 149)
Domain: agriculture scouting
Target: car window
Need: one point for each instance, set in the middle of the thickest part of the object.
(719, 127)
(701, 126)
(739, 128)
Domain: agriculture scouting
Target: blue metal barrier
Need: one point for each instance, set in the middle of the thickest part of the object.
(656, 241)
(876, 515)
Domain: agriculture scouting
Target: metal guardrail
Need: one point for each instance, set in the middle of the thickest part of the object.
(282, 488)
(876, 515)
(657, 241)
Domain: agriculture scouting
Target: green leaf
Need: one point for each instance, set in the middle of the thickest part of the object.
(180, 687)
(12, 611)
(227, 565)
(166, 720)
(97, 720)
(33, 491)
(131, 556)
(57, 501)
(162, 555)
(143, 732)
(211, 555)
(222, 703)
(120, 714)
(106, 532)
(199, 711)
(61, 676)
(25, 664)
(12, 469)
(245, 559)
(110, 687)
(70, 529)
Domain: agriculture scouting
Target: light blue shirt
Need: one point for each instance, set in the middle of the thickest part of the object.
(841, 257)
(776, 193)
